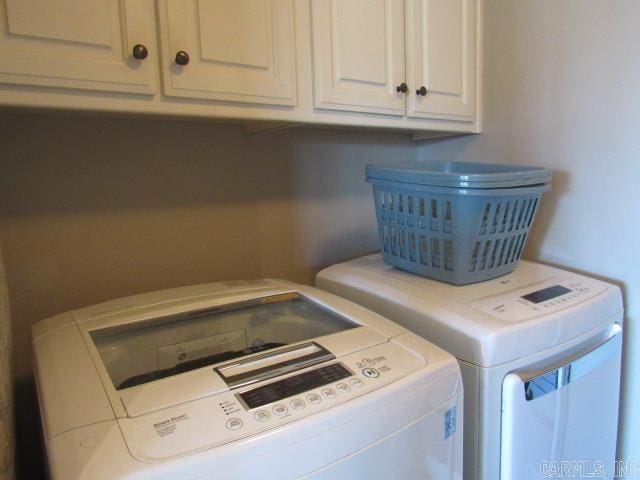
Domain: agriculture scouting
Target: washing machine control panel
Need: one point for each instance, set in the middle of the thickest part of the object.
(250, 410)
(293, 385)
(538, 300)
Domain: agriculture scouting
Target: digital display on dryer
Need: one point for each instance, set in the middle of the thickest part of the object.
(546, 294)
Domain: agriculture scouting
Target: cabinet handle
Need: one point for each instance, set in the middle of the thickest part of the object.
(140, 52)
(182, 58)
(422, 91)
(402, 88)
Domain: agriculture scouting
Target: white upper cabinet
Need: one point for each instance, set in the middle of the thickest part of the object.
(234, 50)
(364, 51)
(402, 64)
(441, 58)
(358, 55)
(80, 44)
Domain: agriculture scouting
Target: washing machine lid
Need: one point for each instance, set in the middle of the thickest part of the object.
(489, 323)
(143, 352)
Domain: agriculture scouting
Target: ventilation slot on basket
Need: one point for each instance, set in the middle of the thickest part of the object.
(434, 216)
(435, 253)
(411, 219)
(448, 220)
(503, 224)
(520, 248)
(485, 254)
(389, 204)
(517, 251)
(448, 255)
(394, 241)
(424, 250)
(422, 213)
(485, 218)
(502, 251)
(494, 253)
(383, 210)
(521, 215)
(533, 212)
(509, 248)
(400, 210)
(514, 214)
(516, 245)
(403, 244)
(474, 257)
(494, 223)
(413, 247)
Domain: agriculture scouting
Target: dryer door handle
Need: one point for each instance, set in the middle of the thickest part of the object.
(550, 377)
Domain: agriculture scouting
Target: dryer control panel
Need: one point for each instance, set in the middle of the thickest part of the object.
(540, 299)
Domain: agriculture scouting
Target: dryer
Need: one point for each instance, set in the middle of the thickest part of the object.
(540, 353)
(241, 380)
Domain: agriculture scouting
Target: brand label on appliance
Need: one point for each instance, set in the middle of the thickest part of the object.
(168, 426)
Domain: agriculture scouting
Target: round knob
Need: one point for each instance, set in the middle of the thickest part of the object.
(140, 52)
(402, 88)
(422, 91)
(182, 58)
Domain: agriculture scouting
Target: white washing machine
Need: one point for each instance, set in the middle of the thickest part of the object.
(264, 379)
(539, 351)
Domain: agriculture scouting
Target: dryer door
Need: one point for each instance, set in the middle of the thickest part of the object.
(561, 419)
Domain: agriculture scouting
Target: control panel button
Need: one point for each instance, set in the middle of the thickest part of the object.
(314, 398)
(328, 392)
(356, 382)
(343, 387)
(370, 373)
(280, 410)
(297, 404)
(367, 362)
(234, 423)
(262, 415)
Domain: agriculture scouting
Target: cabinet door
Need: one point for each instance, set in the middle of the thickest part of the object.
(358, 55)
(441, 56)
(83, 44)
(238, 50)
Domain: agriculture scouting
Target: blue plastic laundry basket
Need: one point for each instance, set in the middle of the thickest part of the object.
(458, 222)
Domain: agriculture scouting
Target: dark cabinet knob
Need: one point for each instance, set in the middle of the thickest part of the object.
(402, 88)
(182, 58)
(140, 52)
(421, 91)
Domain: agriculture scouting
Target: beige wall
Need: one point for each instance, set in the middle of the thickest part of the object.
(561, 90)
(92, 209)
